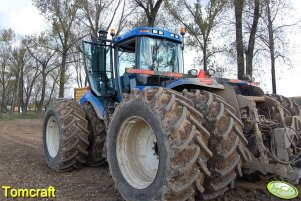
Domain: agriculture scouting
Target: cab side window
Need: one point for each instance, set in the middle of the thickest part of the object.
(126, 59)
(98, 64)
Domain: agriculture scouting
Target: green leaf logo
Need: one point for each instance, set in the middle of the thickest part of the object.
(282, 189)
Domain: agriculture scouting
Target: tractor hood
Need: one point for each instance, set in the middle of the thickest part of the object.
(170, 80)
(201, 82)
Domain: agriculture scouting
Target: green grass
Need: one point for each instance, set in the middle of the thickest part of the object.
(15, 115)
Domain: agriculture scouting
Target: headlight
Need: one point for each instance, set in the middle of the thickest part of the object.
(210, 72)
(193, 72)
(247, 78)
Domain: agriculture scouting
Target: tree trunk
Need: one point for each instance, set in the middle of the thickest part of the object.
(271, 48)
(3, 90)
(152, 13)
(3, 108)
(250, 51)
(21, 83)
(62, 76)
(238, 8)
(15, 94)
(29, 90)
(273, 71)
(41, 102)
(52, 89)
(205, 56)
(151, 21)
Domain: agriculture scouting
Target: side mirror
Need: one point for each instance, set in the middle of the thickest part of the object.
(247, 78)
(210, 72)
(193, 72)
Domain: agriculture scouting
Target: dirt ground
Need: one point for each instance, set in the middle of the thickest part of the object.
(22, 165)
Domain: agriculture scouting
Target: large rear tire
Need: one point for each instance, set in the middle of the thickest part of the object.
(97, 135)
(291, 107)
(157, 147)
(227, 142)
(65, 136)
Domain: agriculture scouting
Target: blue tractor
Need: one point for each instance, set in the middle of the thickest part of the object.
(167, 135)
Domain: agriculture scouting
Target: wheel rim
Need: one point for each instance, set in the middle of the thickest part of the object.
(137, 152)
(52, 137)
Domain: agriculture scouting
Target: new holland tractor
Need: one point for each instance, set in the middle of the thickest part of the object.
(167, 135)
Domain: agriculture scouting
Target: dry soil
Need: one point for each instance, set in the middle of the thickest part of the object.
(22, 165)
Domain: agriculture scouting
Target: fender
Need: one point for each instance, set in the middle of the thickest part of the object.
(201, 82)
(242, 87)
(224, 91)
(98, 106)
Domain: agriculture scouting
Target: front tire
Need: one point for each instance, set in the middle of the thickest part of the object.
(65, 136)
(156, 147)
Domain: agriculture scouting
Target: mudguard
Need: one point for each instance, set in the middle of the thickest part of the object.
(242, 87)
(202, 82)
(98, 106)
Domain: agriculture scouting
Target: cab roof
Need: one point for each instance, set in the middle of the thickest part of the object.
(149, 31)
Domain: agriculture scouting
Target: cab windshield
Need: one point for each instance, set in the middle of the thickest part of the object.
(160, 55)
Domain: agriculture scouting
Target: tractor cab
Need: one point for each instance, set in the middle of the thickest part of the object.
(142, 57)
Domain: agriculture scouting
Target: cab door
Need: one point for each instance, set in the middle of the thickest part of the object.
(98, 66)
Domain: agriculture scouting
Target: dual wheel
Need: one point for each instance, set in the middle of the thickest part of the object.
(160, 144)
(73, 136)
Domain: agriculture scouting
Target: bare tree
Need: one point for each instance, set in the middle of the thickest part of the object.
(200, 22)
(246, 22)
(149, 14)
(6, 37)
(46, 60)
(62, 14)
(31, 74)
(251, 44)
(20, 58)
(271, 45)
(238, 9)
(93, 12)
(272, 35)
(54, 76)
(77, 58)
(126, 12)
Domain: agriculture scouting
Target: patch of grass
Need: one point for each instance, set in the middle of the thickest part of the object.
(15, 115)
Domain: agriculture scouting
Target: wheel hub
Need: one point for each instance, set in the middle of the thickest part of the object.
(52, 137)
(137, 152)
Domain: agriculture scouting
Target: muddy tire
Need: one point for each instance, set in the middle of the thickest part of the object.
(65, 136)
(97, 135)
(227, 142)
(157, 147)
(291, 107)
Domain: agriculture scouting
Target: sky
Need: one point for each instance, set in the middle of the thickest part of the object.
(21, 16)
(25, 19)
